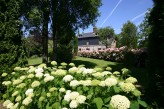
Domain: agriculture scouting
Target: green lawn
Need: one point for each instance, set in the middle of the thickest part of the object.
(34, 61)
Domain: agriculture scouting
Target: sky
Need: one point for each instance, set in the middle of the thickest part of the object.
(115, 13)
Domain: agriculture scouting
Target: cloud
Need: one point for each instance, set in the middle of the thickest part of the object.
(110, 14)
(138, 16)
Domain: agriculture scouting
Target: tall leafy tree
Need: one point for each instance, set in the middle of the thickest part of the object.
(144, 31)
(129, 35)
(105, 35)
(12, 52)
(156, 51)
(72, 14)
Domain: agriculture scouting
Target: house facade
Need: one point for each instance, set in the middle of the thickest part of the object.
(91, 42)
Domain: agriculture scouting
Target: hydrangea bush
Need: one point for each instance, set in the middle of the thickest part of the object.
(66, 86)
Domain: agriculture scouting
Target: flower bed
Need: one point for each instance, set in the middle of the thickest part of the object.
(135, 57)
(67, 86)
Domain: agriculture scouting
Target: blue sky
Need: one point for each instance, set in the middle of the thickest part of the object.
(115, 13)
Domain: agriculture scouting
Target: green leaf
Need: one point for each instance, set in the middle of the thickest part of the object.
(110, 107)
(85, 88)
(142, 103)
(98, 102)
(116, 89)
(134, 105)
(106, 100)
(39, 104)
(56, 105)
(48, 106)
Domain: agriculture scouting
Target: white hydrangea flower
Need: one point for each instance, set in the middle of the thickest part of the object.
(15, 93)
(15, 106)
(62, 90)
(52, 89)
(32, 69)
(30, 76)
(54, 63)
(88, 71)
(71, 64)
(23, 77)
(28, 91)
(120, 102)
(106, 73)
(13, 73)
(73, 104)
(68, 91)
(18, 81)
(4, 74)
(48, 94)
(74, 95)
(42, 66)
(81, 69)
(131, 80)
(10, 105)
(59, 72)
(67, 78)
(111, 81)
(38, 75)
(48, 78)
(46, 74)
(6, 83)
(67, 97)
(74, 83)
(73, 70)
(102, 83)
(35, 84)
(81, 99)
(64, 108)
(18, 98)
(6, 103)
(39, 70)
(27, 101)
(98, 74)
(127, 87)
(86, 82)
(17, 68)
(22, 85)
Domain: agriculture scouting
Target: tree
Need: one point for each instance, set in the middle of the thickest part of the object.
(129, 35)
(72, 14)
(105, 34)
(144, 31)
(12, 52)
(156, 52)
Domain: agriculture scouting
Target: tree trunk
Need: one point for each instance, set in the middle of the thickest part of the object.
(45, 32)
(54, 29)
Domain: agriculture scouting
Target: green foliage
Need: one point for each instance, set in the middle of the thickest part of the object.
(51, 87)
(64, 53)
(144, 31)
(156, 52)
(106, 35)
(129, 35)
(33, 46)
(75, 46)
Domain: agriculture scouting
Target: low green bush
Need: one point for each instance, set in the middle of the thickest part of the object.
(65, 86)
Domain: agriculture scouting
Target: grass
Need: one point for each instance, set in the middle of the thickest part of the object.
(34, 61)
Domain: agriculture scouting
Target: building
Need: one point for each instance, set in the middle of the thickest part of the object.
(91, 41)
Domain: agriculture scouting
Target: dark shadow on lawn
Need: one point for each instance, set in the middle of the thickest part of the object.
(86, 63)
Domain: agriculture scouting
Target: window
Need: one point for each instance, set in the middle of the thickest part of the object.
(87, 43)
(87, 49)
(99, 48)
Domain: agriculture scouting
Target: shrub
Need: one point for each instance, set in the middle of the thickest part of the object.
(57, 87)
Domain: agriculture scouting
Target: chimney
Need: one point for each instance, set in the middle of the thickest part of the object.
(94, 29)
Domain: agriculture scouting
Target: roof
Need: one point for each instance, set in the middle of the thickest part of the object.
(86, 35)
